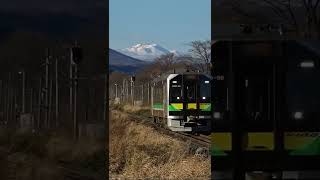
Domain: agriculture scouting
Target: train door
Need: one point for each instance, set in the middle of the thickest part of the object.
(255, 103)
(190, 91)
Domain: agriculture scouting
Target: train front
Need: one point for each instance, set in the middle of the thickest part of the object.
(189, 102)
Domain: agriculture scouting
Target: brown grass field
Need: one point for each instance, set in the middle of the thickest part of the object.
(35, 157)
(137, 151)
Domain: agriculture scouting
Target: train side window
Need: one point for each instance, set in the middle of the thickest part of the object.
(219, 92)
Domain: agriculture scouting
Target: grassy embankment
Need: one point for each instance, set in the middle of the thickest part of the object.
(139, 151)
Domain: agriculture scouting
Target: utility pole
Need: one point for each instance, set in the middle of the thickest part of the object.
(123, 90)
(31, 109)
(131, 92)
(71, 82)
(1, 102)
(127, 84)
(5, 95)
(23, 91)
(39, 102)
(148, 93)
(14, 108)
(151, 103)
(50, 103)
(57, 95)
(31, 100)
(116, 90)
(76, 58)
(105, 98)
(8, 102)
(75, 102)
(142, 93)
(46, 90)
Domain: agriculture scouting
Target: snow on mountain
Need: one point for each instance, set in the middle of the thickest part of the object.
(175, 52)
(146, 52)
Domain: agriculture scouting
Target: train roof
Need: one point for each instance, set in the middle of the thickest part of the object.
(300, 46)
(165, 75)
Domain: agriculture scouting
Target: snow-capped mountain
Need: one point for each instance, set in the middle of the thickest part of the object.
(123, 63)
(146, 52)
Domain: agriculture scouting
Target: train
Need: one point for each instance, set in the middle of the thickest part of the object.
(182, 101)
(267, 95)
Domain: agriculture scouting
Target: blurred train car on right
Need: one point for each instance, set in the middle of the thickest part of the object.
(269, 104)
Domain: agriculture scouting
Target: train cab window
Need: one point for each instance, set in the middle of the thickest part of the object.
(175, 91)
(191, 91)
(190, 87)
(205, 89)
(303, 97)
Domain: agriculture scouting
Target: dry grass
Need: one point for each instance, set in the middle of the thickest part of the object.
(130, 108)
(32, 168)
(138, 151)
(36, 156)
(62, 148)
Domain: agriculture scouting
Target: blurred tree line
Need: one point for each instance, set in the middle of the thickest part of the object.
(23, 50)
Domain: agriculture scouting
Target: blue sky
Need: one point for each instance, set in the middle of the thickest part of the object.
(169, 23)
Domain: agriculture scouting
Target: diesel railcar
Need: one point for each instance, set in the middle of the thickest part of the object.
(182, 102)
(269, 106)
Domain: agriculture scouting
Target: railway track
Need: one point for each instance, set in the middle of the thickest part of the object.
(199, 144)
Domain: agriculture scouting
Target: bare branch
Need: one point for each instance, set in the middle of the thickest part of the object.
(165, 61)
(201, 51)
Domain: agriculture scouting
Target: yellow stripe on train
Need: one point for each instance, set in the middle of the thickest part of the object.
(222, 140)
(177, 105)
(260, 141)
(255, 141)
(192, 106)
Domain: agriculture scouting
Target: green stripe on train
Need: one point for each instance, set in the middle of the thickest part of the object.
(172, 108)
(216, 151)
(206, 107)
(157, 106)
(309, 149)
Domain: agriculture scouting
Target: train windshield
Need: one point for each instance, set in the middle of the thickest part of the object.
(205, 88)
(190, 85)
(303, 97)
(191, 91)
(176, 89)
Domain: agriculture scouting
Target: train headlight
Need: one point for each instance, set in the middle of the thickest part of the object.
(217, 115)
(298, 115)
(178, 97)
(307, 64)
(203, 97)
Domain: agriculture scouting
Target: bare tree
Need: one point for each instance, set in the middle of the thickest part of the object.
(312, 17)
(165, 61)
(201, 55)
(286, 11)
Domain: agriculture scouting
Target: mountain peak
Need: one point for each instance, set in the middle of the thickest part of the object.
(146, 52)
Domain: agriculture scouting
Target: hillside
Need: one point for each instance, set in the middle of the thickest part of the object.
(123, 63)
